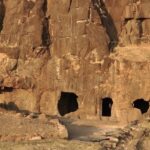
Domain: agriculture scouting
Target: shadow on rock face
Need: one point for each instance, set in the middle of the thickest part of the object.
(79, 132)
(11, 106)
(6, 89)
(2, 14)
(107, 22)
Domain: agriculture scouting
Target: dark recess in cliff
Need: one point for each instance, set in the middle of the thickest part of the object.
(2, 14)
(106, 106)
(45, 33)
(11, 106)
(67, 103)
(142, 105)
(107, 22)
(6, 89)
(70, 5)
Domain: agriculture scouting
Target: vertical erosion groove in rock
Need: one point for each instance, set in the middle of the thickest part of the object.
(2, 14)
(70, 5)
(107, 22)
(45, 32)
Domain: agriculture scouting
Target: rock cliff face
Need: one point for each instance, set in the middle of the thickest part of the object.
(90, 57)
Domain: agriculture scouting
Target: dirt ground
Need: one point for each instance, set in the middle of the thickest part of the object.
(56, 144)
(22, 131)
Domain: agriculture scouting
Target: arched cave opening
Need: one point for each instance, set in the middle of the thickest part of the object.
(142, 105)
(106, 106)
(67, 103)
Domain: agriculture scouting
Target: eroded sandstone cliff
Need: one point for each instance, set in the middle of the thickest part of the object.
(90, 57)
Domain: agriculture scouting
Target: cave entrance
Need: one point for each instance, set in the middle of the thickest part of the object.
(142, 105)
(67, 103)
(106, 106)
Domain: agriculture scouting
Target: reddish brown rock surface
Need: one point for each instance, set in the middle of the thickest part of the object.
(56, 57)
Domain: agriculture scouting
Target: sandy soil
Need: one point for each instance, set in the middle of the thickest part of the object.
(32, 131)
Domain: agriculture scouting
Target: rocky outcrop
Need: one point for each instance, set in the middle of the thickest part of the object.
(29, 127)
(54, 49)
(135, 28)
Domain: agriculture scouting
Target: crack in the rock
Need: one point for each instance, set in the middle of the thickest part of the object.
(45, 33)
(2, 14)
(107, 22)
(70, 6)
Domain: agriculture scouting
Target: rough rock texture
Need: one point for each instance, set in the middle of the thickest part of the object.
(53, 48)
(22, 131)
(29, 127)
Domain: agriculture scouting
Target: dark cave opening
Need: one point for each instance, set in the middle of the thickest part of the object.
(67, 103)
(142, 105)
(106, 106)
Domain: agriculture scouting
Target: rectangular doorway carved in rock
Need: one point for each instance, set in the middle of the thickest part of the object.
(106, 107)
